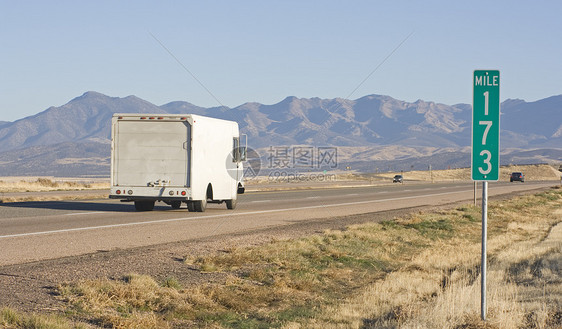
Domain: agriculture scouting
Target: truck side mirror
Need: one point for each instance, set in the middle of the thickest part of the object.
(243, 153)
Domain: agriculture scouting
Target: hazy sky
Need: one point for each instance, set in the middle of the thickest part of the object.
(263, 51)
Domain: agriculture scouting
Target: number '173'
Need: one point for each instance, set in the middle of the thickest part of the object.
(488, 125)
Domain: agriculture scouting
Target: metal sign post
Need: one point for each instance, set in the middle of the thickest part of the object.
(485, 150)
(484, 252)
(475, 189)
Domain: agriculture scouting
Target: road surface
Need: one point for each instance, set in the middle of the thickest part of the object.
(36, 231)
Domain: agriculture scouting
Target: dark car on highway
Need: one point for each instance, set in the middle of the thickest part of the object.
(517, 177)
(398, 179)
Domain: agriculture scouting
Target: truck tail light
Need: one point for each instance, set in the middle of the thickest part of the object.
(183, 193)
(118, 192)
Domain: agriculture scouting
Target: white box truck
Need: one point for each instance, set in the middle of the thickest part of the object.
(176, 159)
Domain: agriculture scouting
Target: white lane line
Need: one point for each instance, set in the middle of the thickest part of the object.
(86, 213)
(313, 197)
(256, 201)
(259, 212)
(352, 194)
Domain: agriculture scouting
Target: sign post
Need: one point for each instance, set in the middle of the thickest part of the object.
(485, 149)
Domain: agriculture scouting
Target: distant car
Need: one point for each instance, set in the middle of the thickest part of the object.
(517, 177)
(398, 179)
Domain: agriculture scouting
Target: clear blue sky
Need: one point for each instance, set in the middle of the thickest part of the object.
(263, 51)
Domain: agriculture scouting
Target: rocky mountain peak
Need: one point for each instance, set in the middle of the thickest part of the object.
(369, 120)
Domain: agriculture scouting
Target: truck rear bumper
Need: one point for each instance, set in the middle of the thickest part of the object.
(160, 193)
(125, 198)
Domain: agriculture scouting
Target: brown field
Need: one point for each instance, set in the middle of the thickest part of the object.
(420, 271)
(49, 184)
(45, 184)
(26, 189)
(440, 287)
(541, 172)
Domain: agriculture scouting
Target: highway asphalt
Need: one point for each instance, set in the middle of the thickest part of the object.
(33, 231)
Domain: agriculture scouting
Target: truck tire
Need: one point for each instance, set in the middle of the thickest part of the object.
(175, 204)
(144, 205)
(200, 205)
(191, 206)
(231, 204)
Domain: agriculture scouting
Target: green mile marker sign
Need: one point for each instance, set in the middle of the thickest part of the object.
(486, 125)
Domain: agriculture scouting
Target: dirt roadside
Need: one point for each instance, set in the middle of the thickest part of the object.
(31, 287)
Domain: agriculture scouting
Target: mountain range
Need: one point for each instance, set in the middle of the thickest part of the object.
(73, 139)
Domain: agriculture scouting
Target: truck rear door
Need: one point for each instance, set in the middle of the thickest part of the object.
(149, 151)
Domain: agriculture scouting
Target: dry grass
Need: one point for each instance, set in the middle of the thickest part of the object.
(39, 198)
(541, 172)
(12, 319)
(261, 287)
(134, 302)
(440, 288)
(416, 272)
(43, 184)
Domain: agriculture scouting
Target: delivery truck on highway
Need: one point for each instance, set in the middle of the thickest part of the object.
(176, 159)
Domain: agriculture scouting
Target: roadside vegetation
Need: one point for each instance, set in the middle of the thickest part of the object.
(42, 184)
(13, 319)
(416, 272)
(29, 186)
(539, 172)
(9, 185)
